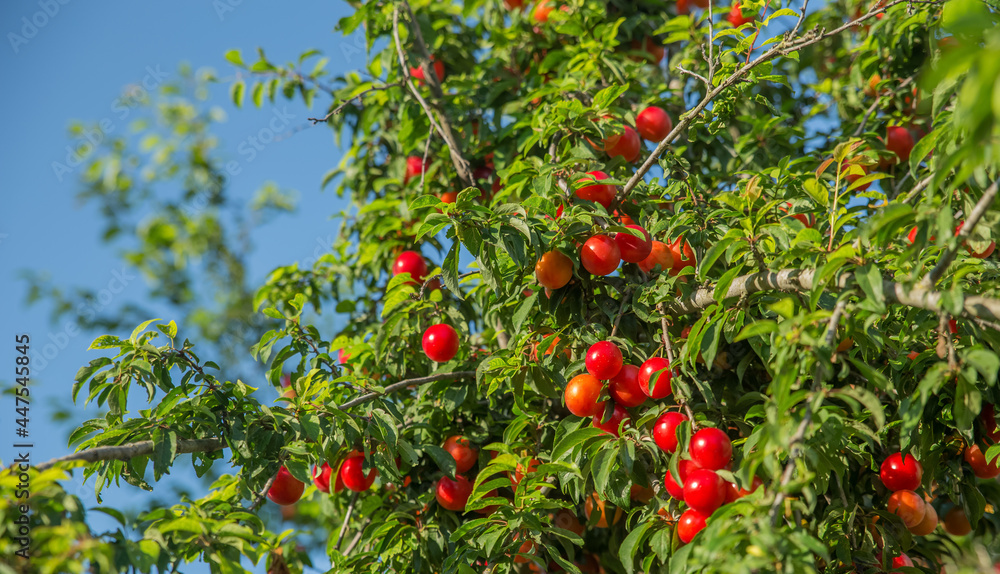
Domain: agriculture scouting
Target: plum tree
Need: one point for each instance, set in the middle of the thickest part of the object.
(775, 207)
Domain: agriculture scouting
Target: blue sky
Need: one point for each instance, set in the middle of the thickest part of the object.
(73, 62)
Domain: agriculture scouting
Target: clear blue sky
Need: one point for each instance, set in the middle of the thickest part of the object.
(73, 64)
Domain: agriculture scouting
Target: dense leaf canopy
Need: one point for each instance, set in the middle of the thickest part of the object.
(821, 289)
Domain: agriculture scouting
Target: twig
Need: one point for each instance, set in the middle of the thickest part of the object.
(794, 449)
(666, 336)
(899, 185)
(357, 537)
(711, 47)
(864, 119)
(621, 310)
(358, 97)
(831, 328)
(347, 519)
(760, 25)
(802, 281)
(921, 185)
(260, 495)
(875, 105)
(970, 223)
(420, 294)
(403, 384)
(553, 146)
(405, 69)
(423, 165)
(983, 324)
(503, 339)
(782, 49)
(802, 17)
(445, 129)
(694, 75)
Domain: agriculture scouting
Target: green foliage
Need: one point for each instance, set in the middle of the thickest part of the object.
(803, 327)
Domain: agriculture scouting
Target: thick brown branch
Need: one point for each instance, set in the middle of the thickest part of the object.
(797, 281)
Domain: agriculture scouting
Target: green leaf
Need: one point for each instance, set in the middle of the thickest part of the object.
(757, 329)
(923, 148)
(164, 451)
(571, 440)
(441, 457)
(608, 95)
(523, 310)
(234, 57)
(449, 270)
(170, 329)
(236, 93)
(817, 191)
(872, 405)
(714, 252)
(986, 362)
(968, 403)
(722, 287)
(869, 278)
(134, 337)
(631, 544)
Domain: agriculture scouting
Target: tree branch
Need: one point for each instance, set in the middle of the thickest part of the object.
(626, 299)
(666, 336)
(970, 223)
(347, 519)
(782, 49)
(357, 537)
(920, 186)
(263, 492)
(798, 438)
(440, 123)
(358, 97)
(403, 384)
(797, 281)
(132, 450)
(786, 477)
(876, 105)
(693, 75)
(185, 446)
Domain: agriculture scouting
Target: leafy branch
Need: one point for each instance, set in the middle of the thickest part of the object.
(185, 446)
(438, 121)
(782, 49)
(799, 281)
